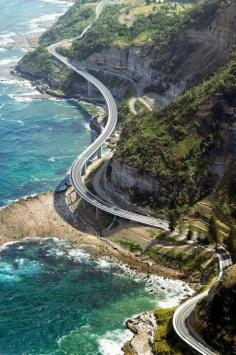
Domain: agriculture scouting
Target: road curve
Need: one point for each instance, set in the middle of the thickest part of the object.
(181, 316)
(82, 159)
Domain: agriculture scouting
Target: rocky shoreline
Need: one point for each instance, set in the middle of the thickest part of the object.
(48, 215)
(143, 327)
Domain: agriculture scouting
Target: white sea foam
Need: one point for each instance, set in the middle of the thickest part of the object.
(78, 255)
(52, 159)
(41, 23)
(7, 38)
(19, 82)
(20, 122)
(66, 118)
(112, 341)
(87, 126)
(167, 292)
(9, 61)
(59, 2)
(2, 49)
(13, 271)
(20, 98)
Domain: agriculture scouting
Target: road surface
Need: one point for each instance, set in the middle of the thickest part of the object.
(80, 162)
(181, 317)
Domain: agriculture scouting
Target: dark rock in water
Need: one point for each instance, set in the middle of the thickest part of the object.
(64, 184)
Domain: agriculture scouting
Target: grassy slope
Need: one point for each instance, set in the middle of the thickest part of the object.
(41, 64)
(71, 24)
(175, 143)
(216, 316)
(132, 23)
(165, 340)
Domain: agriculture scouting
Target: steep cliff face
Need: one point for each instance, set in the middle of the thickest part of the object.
(200, 49)
(194, 54)
(201, 45)
(136, 64)
(183, 148)
(215, 317)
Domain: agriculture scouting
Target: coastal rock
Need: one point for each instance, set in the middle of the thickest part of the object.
(98, 122)
(143, 326)
(140, 344)
(145, 322)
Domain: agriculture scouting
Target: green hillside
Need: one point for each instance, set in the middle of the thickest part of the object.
(177, 144)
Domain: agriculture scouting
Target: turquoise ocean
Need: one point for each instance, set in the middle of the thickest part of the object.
(54, 298)
(38, 138)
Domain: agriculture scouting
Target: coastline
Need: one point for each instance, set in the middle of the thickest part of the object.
(47, 215)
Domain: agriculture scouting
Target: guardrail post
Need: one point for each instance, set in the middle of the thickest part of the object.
(84, 169)
(85, 204)
(99, 153)
(90, 89)
(97, 213)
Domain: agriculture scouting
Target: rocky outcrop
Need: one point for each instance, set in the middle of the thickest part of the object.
(193, 55)
(143, 327)
(200, 49)
(136, 64)
(214, 317)
(126, 183)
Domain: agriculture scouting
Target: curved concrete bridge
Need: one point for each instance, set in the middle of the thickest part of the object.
(78, 168)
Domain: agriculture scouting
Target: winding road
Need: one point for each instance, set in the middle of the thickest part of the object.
(80, 162)
(181, 317)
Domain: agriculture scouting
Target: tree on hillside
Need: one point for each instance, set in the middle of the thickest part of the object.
(190, 234)
(231, 241)
(213, 231)
(172, 221)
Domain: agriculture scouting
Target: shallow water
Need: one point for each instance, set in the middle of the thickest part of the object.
(56, 299)
(38, 138)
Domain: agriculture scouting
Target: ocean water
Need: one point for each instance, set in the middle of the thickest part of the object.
(56, 299)
(38, 138)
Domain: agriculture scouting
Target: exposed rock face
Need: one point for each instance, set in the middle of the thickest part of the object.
(215, 317)
(194, 54)
(201, 49)
(126, 183)
(136, 63)
(143, 327)
(191, 57)
(131, 183)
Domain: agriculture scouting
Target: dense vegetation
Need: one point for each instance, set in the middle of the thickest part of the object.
(165, 340)
(71, 24)
(176, 144)
(215, 316)
(39, 64)
(189, 260)
(156, 28)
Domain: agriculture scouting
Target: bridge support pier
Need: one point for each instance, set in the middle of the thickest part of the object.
(99, 153)
(85, 204)
(84, 169)
(114, 218)
(97, 213)
(90, 89)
